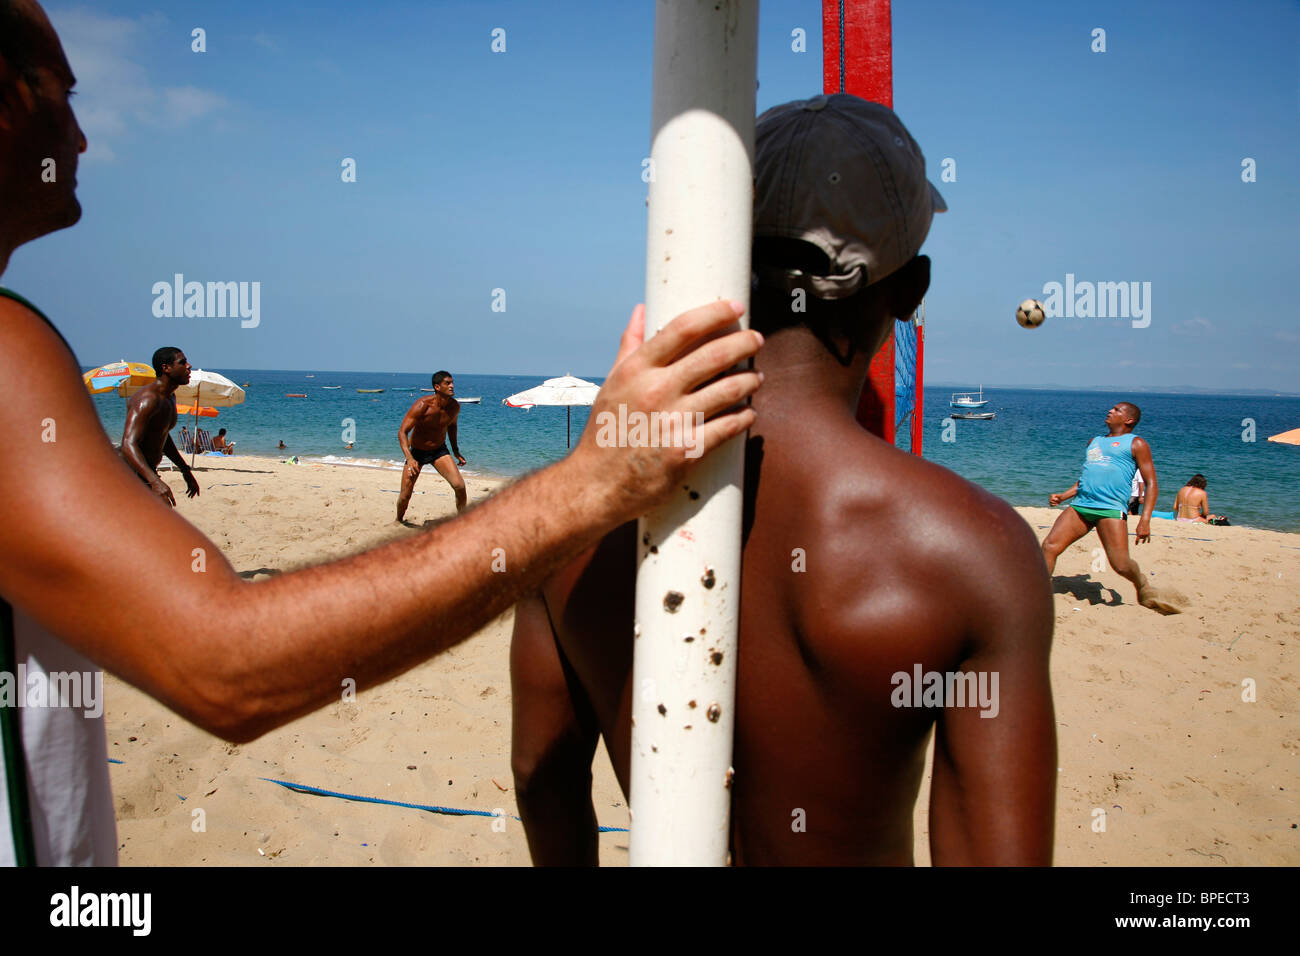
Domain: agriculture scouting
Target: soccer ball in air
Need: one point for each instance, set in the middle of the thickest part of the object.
(1030, 314)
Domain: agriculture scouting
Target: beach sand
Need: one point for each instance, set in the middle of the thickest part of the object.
(1153, 729)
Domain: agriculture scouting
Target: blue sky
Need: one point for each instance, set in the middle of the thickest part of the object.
(522, 171)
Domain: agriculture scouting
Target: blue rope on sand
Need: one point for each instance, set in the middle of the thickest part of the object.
(1133, 534)
(451, 811)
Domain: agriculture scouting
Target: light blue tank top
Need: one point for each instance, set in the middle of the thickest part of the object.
(1107, 477)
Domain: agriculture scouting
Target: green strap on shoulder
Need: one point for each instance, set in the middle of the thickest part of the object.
(11, 294)
(20, 815)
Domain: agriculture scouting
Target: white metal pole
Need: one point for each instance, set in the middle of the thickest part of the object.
(688, 575)
(194, 443)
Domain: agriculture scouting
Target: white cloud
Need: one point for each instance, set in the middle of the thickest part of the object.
(114, 90)
(184, 103)
(1196, 326)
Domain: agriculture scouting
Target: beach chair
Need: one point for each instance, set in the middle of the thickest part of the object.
(187, 443)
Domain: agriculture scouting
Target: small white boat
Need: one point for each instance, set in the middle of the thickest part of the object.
(969, 399)
(974, 416)
(331, 386)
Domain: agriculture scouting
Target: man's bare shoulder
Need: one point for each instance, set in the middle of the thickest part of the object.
(938, 514)
(893, 531)
(23, 333)
(20, 322)
(147, 399)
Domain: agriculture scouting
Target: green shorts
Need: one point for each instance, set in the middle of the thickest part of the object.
(1093, 515)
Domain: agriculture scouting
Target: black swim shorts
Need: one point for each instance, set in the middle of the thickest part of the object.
(427, 456)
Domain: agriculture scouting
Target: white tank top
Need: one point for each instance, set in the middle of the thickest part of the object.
(65, 752)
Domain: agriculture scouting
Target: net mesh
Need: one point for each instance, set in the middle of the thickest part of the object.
(905, 382)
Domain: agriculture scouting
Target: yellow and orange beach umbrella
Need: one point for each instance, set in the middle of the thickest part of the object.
(109, 377)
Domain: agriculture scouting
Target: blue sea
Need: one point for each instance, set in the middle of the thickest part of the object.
(1034, 447)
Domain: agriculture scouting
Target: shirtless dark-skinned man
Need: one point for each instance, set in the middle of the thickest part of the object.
(1107, 477)
(429, 425)
(250, 656)
(904, 566)
(150, 418)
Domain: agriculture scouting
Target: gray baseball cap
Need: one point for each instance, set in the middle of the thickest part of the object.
(845, 175)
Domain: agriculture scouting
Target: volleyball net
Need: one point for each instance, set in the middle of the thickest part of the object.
(909, 380)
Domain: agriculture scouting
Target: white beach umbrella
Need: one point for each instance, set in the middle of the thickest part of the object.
(204, 388)
(210, 388)
(565, 390)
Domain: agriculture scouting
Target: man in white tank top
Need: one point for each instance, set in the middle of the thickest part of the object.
(70, 570)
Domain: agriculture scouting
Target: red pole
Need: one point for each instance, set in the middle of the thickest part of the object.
(857, 58)
(918, 400)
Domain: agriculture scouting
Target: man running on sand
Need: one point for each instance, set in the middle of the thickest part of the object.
(150, 418)
(429, 425)
(1101, 501)
(246, 657)
(908, 567)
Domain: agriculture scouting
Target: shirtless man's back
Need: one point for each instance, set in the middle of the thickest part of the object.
(429, 425)
(905, 565)
(866, 570)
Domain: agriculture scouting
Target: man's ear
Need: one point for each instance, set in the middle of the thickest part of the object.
(16, 93)
(908, 286)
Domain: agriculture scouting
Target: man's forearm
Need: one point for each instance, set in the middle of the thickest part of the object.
(135, 458)
(174, 454)
(1149, 506)
(417, 597)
